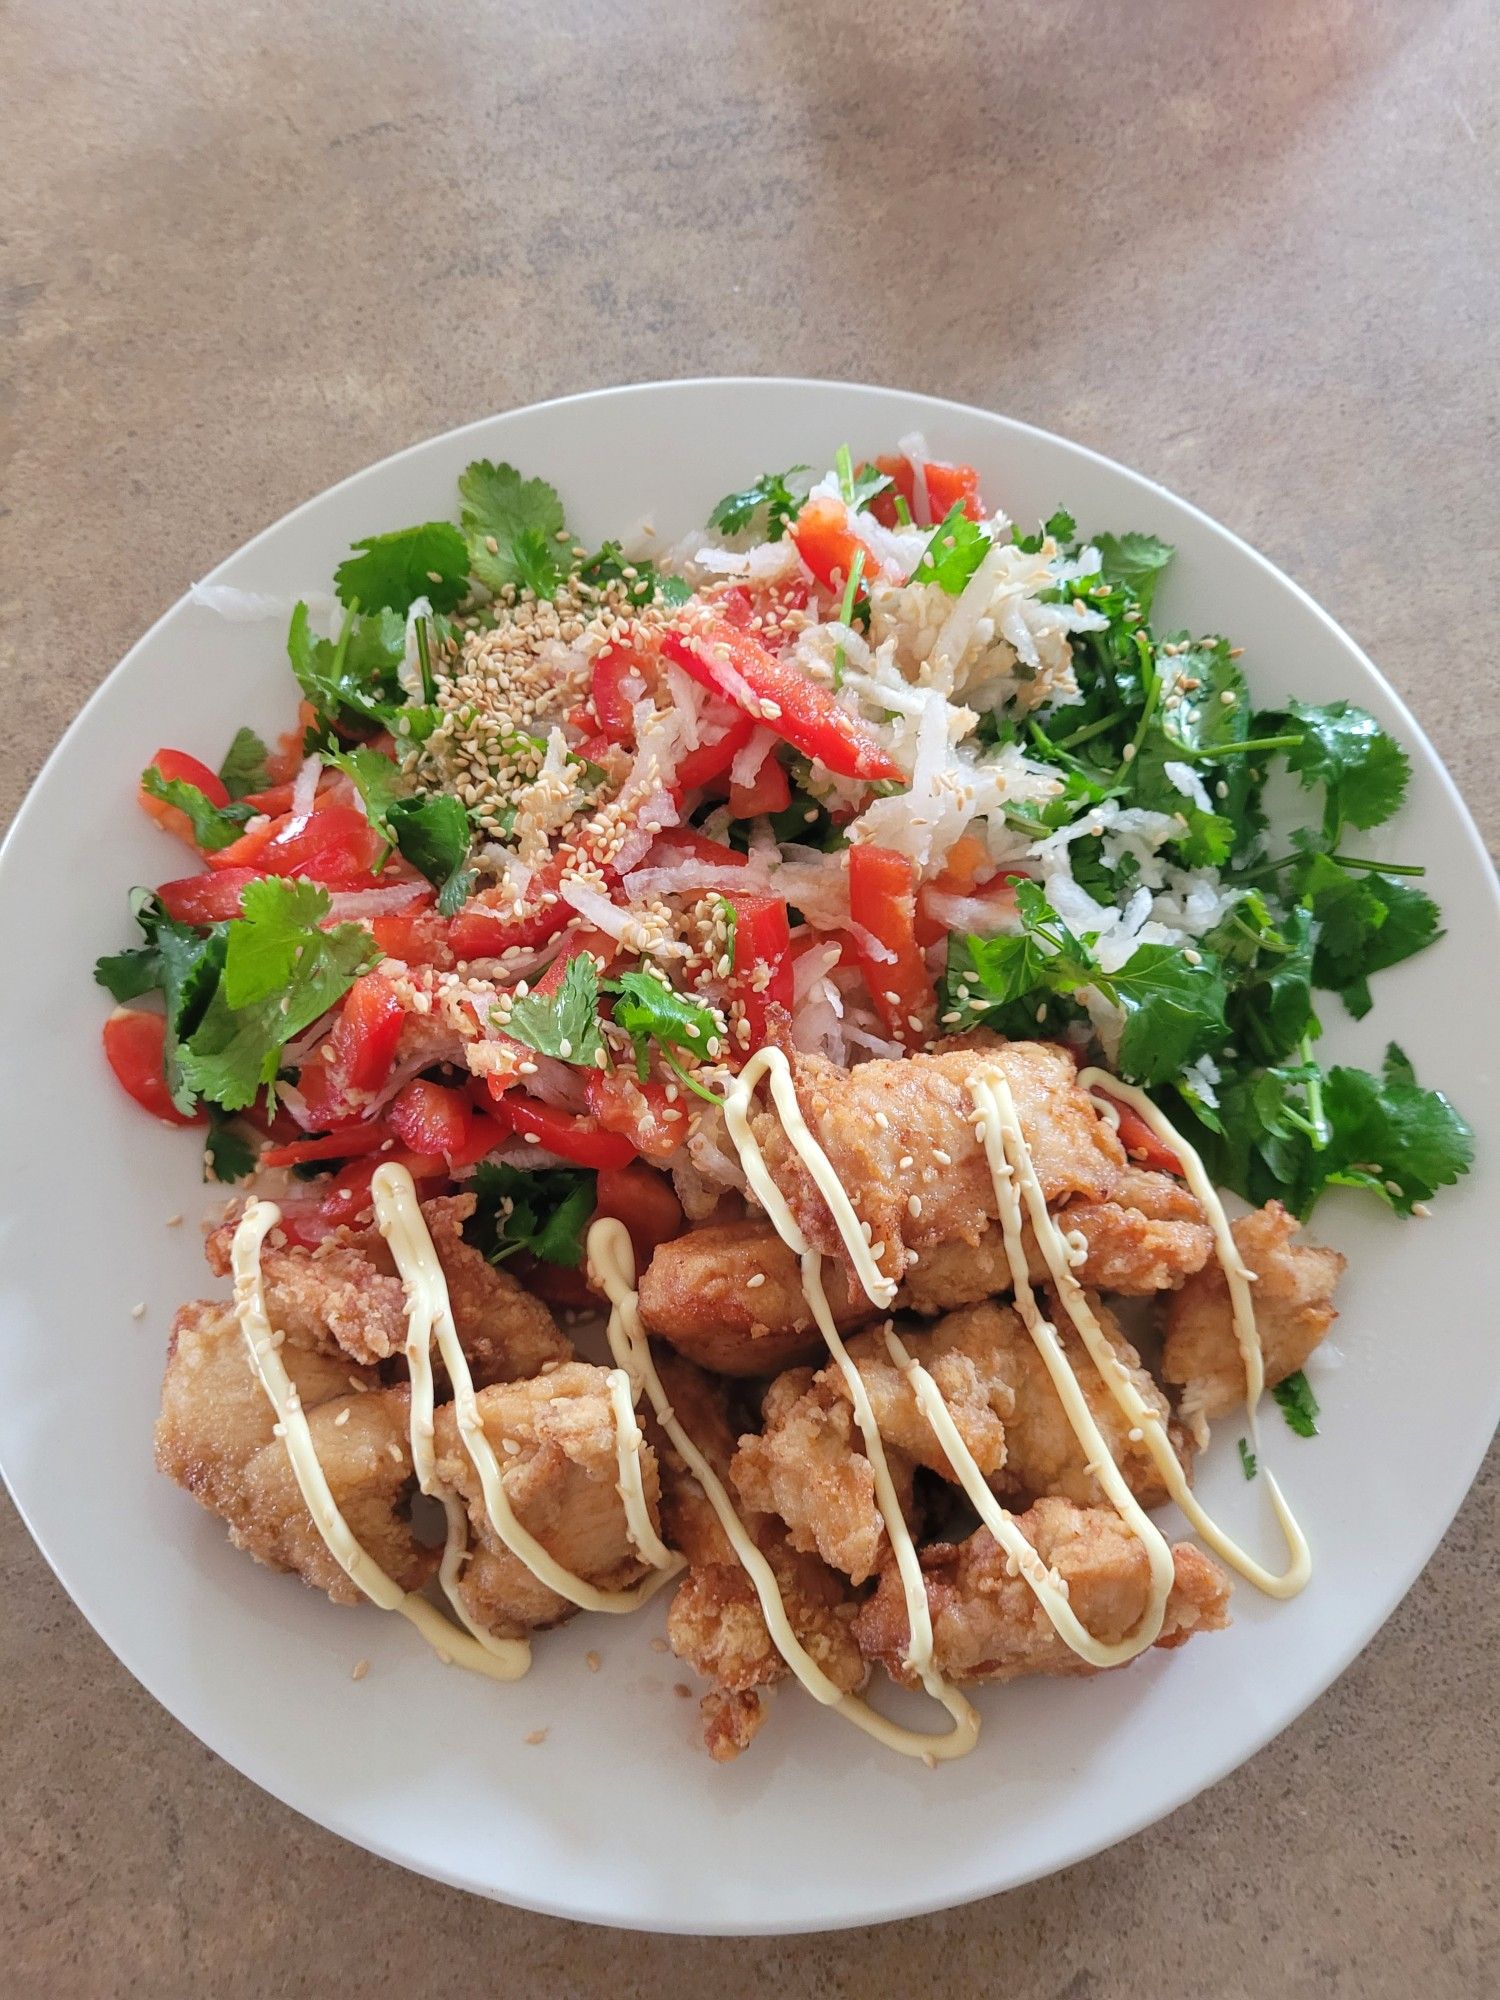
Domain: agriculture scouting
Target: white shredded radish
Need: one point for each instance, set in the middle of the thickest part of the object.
(980, 916)
(749, 760)
(684, 878)
(351, 905)
(600, 911)
(249, 607)
(871, 945)
(409, 673)
(652, 815)
(871, 1043)
(913, 448)
(812, 968)
(305, 786)
(1188, 782)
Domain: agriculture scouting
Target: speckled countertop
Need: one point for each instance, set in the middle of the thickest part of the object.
(1251, 250)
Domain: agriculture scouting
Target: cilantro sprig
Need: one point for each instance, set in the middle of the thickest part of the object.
(517, 536)
(213, 826)
(564, 1023)
(774, 501)
(541, 1211)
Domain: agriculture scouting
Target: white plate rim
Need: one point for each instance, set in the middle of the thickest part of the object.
(1459, 1473)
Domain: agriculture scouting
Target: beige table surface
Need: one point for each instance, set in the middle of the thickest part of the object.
(1248, 249)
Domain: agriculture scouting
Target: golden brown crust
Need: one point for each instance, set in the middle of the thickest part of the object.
(988, 1626)
(1293, 1295)
(215, 1438)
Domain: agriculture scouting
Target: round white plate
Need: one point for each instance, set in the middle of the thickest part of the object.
(618, 1816)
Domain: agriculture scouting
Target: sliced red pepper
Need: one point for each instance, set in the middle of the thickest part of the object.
(736, 664)
(571, 1135)
(711, 760)
(643, 1200)
(210, 898)
(948, 486)
(762, 939)
(431, 1118)
(1142, 1144)
(485, 1134)
(134, 1046)
(489, 924)
(416, 937)
(365, 1035)
(618, 680)
(684, 843)
(348, 1200)
(353, 1142)
(335, 845)
(827, 543)
(769, 791)
(883, 904)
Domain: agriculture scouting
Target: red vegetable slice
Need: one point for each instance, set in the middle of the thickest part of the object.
(134, 1045)
(827, 543)
(883, 905)
(431, 1118)
(735, 664)
(643, 1200)
(947, 487)
(571, 1135)
(210, 898)
(189, 770)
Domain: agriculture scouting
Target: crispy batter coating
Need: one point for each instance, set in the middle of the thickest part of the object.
(214, 1437)
(554, 1436)
(729, 1296)
(715, 1622)
(1293, 1296)
(346, 1293)
(870, 1119)
(987, 1625)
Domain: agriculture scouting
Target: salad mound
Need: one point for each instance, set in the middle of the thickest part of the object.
(560, 837)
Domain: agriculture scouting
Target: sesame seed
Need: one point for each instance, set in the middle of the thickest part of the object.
(1193, 957)
(593, 1662)
(173, 1221)
(659, 1646)
(753, 1284)
(532, 1735)
(341, 1419)
(904, 1162)
(1128, 753)
(531, 1139)
(882, 1121)
(138, 1310)
(943, 1159)
(914, 1205)
(360, 1669)
(1420, 1210)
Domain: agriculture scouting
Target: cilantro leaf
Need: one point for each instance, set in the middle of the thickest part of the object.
(542, 1211)
(1363, 771)
(1268, 963)
(228, 1154)
(564, 1024)
(957, 548)
(859, 485)
(183, 964)
(356, 675)
(280, 971)
(650, 1011)
(644, 583)
(1366, 922)
(1136, 561)
(1298, 1404)
(1247, 1459)
(523, 518)
(244, 767)
(1174, 1008)
(778, 494)
(213, 826)
(1391, 1136)
(1060, 526)
(390, 572)
(125, 975)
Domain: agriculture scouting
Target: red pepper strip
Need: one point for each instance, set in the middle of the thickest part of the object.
(609, 691)
(571, 1135)
(210, 898)
(883, 903)
(827, 543)
(134, 1046)
(348, 1197)
(769, 791)
(947, 487)
(643, 1200)
(365, 1035)
(417, 937)
(489, 924)
(685, 843)
(335, 845)
(178, 764)
(712, 760)
(1142, 1144)
(620, 1102)
(735, 664)
(352, 1143)
(762, 938)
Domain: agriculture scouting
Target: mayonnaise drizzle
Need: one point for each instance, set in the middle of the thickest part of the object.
(613, 1262)
(1299, 1565)
(504, 1660)
(431, 1314)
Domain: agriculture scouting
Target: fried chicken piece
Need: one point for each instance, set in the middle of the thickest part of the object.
(808, 1466)
(562, 1481)
(987, 1625)
(346, 1293)
(1293, 1296)
(729, 1297)
(716, 1623)
(871, 1119)
(214, 1437)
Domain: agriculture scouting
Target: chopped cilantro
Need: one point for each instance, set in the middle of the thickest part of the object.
(541, 1211)
(564, 1024)
(1059, 526)
(390, 572)
(524, 520)
(1136, 561)
(1247, 1459)
(357, 675)
(650, 1011)
(857, 488)
(244, 767)
(433, 832)
(644, 582)
(213, 826)
(228, 1154)
(957, 548)
(1363, 771)
(1298, 1404)
(776, 495)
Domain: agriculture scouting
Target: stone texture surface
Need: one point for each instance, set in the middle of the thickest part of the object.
(1250, 250)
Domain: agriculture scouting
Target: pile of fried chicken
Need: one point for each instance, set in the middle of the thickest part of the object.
(751, 1382)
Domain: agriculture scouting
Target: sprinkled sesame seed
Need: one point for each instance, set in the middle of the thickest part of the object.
(1193, 957)
(659, 1646)
(914, 1205)
(593, 1662)
(532, 1735)
(138, 1310)
(341, 1419)
(173, 1221)
(360, 1669)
